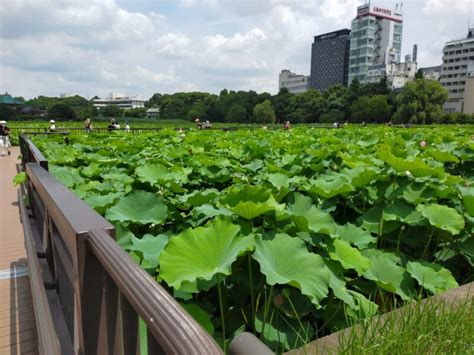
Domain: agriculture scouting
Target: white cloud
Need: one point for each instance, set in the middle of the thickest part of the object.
(142, 47)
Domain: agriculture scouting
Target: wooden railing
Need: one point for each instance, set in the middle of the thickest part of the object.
(89, 294)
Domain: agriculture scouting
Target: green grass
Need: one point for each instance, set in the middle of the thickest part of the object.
(422, 328)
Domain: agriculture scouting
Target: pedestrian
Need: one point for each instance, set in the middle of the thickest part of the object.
(127, 127)
(286, 126)
(52, 126)
(112, 125)
(198, 123)
(4, 139)
(88, 125)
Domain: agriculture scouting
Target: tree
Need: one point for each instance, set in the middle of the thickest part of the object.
(419, 74)
(264, 113)
(281, 103)
(336, 99)
(111, 111)
(420, 101)
(237, 113)
(371, 109)
(61, 112)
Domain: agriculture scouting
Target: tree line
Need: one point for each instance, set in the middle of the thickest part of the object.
(419, 102)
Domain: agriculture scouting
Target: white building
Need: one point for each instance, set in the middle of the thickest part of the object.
(295, 83)
(119, 100)
(376, 38)
(153, 113)
(431, 73)
(458, 64)
(398, 74)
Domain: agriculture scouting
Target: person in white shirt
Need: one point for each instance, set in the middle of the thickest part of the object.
(52, 126)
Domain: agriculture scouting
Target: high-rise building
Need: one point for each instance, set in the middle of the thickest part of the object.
(457, 67)
(330, 59)
(376, 38)
(295, 83)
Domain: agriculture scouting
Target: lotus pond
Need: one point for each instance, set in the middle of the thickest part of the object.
(290, 235)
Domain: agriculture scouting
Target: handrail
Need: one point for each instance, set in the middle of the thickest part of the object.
(151, 301)
(100, 290)
(30, 153)
(47, 336)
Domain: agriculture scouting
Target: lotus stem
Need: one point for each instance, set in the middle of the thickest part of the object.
(252, 298)
(221, 306)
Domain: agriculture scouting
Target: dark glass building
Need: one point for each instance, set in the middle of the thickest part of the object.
(330, 59)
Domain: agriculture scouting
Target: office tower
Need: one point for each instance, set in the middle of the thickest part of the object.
(376, 38)
(330, 59)
(457, 74)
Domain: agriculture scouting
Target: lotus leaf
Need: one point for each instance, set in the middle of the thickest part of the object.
(443, 217)
(202, 254)
(431, 276)
(138, 207)
(387, 274)
(285, 260)
(150, 246)
(348, 256)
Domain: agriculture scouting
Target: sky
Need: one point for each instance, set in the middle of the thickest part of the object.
(140, 47)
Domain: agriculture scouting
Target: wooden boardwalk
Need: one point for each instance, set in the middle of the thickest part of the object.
(17, 319)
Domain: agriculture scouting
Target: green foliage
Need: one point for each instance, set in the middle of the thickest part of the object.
(61, 112)
(111, 111)
(371, 109)
(263, 113)
(421, 101)
(237, 113)
(289, 234)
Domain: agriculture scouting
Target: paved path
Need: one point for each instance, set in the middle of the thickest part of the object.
(17, 320)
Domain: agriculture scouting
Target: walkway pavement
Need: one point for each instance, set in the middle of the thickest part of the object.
(17, 319)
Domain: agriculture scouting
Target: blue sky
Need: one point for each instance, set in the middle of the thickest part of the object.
(139, 47)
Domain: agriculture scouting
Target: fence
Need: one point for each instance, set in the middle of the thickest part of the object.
(89, 294)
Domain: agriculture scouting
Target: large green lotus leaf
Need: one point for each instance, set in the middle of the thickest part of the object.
(250, 209)
(348, 256)
(63, 155)
(364, 309)
(397, 211)
(140, 207)
(417, 194)
(237, 194)
(442, 156)
(210, 211)
(91, 170)
(151, 247)
(285, 260)
(123, 236)
(468, 199)
(360, 176)
(416, 167)
(200, 315)
(354, 235)
(330, 186)
(68, 176)
(443, 217)
(157, 173)
(431, 276)
(399, 164)
(101, 202)
(279, 180)
(279, 332)
(202, 253)
(198, 198)
(309, 217)
(255, 165)
(337, 283)
(385, 272)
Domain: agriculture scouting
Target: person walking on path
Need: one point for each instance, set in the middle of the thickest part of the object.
(4, 139)
(52, 126)
(88, 125)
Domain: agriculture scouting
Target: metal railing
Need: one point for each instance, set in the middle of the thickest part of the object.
(86, 286)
